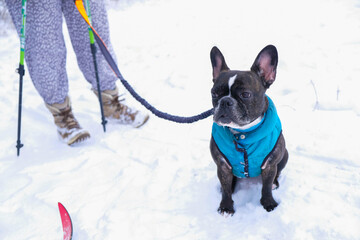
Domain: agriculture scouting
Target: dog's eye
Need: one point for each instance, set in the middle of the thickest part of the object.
(245, 95)
(214, 95)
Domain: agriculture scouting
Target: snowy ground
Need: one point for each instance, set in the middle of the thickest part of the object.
(159, 182)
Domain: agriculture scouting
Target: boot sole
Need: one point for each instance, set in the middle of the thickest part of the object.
(145, 120)
(81, 137)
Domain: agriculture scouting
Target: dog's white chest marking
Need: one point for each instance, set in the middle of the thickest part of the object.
(231, 82)
(253, 123)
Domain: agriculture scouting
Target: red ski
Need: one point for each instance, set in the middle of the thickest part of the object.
(66, 222)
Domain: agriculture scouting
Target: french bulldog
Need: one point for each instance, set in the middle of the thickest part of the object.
(247, 138)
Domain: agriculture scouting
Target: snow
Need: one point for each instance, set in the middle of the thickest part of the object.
(159, 181)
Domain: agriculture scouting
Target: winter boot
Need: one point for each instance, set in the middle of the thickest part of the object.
(115, 110)
(68, 127)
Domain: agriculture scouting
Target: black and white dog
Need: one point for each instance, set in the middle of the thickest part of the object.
(247, 137)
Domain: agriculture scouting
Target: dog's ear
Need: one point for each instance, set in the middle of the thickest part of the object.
(265, 65)
(218, 62)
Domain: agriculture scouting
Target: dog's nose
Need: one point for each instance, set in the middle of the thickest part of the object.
(226, 102)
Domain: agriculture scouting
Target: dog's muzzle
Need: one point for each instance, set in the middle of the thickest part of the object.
(224, 111)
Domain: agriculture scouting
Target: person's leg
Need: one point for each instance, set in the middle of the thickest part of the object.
(45, 57)
(79, 35)
(45, 52)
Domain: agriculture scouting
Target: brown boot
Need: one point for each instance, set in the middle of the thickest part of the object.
(119, 112)
(68, 127)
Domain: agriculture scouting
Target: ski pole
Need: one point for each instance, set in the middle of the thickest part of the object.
(21, 71)
(93, 51)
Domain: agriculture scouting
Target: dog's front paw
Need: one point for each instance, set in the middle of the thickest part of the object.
(226, 208)
(268, 203)
(226, 212)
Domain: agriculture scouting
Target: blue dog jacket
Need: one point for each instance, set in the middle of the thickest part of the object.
(247, 150)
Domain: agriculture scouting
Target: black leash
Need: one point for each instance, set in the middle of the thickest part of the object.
(111, 62)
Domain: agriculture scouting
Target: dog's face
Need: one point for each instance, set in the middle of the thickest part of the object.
(239, 96)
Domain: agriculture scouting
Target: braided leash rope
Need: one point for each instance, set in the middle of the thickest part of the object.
(179, 119)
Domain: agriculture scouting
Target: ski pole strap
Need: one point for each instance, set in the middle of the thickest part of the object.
(179, 119)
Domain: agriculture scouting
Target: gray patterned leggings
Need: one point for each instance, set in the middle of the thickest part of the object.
(45, 51)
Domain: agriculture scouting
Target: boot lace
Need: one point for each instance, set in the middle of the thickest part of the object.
(122, 109)
(66, 119)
